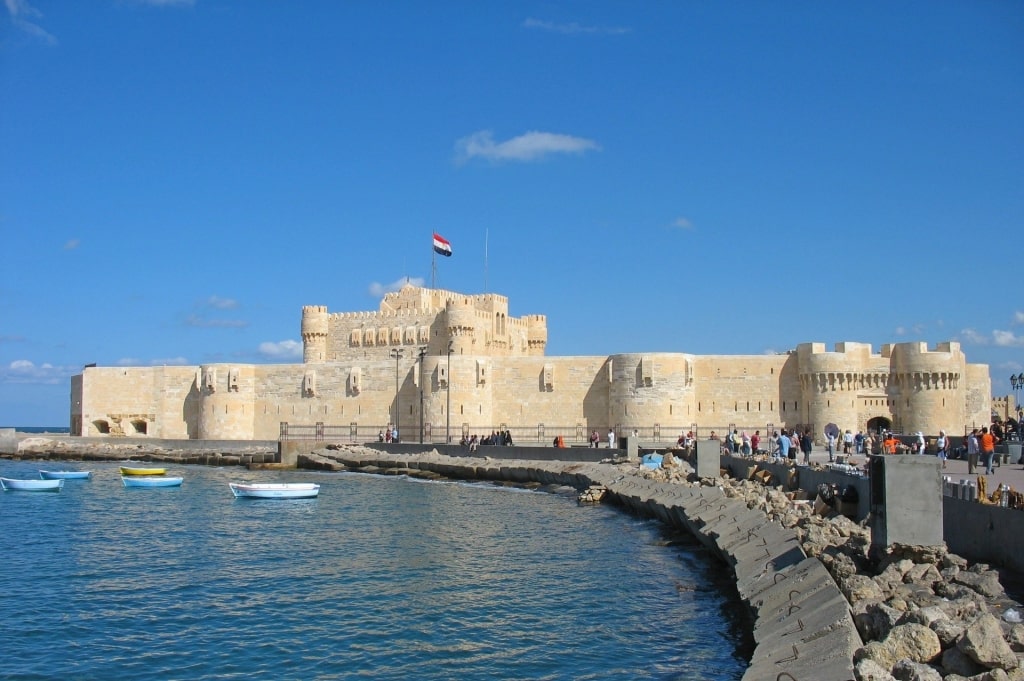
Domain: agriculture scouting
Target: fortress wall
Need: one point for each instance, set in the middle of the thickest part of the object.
(977, 389)
(747, 390)
(557, 392)
(499, 374)
(120, 397)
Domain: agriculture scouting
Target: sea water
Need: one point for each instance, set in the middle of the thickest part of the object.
(379, 578)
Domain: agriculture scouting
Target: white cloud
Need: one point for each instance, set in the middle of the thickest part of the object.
(1003, 339)
(901, 331)
(1018, 317)
(573, 28)
(1012, 366)
(530, 146)
(72, 244)
(682, 223)
(378, 290)
(973, 337)
(221, 303)
(26, 371)
(1007, 339)
(286, 349)
(21, 13)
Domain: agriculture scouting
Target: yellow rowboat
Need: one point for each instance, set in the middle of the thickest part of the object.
(142, 471)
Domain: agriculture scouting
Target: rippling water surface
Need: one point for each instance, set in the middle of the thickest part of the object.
(382, 578)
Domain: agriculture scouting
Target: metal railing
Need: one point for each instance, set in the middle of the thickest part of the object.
(538, 434)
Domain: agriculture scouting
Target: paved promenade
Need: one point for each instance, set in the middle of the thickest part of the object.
(1010, 474)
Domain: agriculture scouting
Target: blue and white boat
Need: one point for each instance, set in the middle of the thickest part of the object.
(275, 490)
(151, 481)
(65, 475)
(14, 485)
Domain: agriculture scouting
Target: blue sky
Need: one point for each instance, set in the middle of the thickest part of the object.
(178, 178)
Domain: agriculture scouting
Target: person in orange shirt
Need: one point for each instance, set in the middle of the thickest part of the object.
(988, 449)
(890, 444)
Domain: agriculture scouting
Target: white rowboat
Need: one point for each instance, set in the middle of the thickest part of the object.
(275, 490)
(10, 484)
(65, 475)
(150, 481)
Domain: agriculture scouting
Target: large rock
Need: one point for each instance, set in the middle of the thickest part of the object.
(859, 588)
(955, 661)
(869, 670)
(986, 583)
(914, 642)
(874, 620)
(905, 670)
(982, 641)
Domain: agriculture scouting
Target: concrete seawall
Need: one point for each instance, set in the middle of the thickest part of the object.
(803, 626)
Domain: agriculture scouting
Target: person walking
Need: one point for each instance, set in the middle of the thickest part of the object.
(831, 439)
(972, 452)
(942, 447)
(782, 443)
(807, 444)
(988, 449)
(611, 439)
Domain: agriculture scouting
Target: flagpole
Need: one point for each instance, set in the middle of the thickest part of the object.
(433, 267)
(486, 234)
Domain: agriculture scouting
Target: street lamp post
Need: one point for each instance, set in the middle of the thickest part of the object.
(397, 354)
(422, 354)
(1016, 382)
(448, 390)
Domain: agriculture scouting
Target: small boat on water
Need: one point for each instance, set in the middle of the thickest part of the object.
(275, 490)
(11, 484)
(65, 475)
(127, 470)
(151, 481)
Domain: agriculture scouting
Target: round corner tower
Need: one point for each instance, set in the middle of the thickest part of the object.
(928, 396)
(314, 333)
(461, 316)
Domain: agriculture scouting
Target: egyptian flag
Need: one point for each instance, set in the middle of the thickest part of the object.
(442, 246)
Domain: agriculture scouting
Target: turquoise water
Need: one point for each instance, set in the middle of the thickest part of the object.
(379, 577)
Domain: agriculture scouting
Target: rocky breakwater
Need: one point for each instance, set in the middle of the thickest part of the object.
(137, 449)
(923, 613)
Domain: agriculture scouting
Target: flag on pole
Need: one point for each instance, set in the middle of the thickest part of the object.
(442, 246)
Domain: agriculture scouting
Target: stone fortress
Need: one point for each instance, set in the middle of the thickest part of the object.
(473, 369)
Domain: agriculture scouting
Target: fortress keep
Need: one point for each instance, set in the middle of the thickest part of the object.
(473, 369)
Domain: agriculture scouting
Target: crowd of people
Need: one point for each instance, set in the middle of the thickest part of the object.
(500, 438)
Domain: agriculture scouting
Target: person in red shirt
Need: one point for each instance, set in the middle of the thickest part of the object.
(988, 443)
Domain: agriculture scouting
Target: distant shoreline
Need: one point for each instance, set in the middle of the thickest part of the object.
(40, 430)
